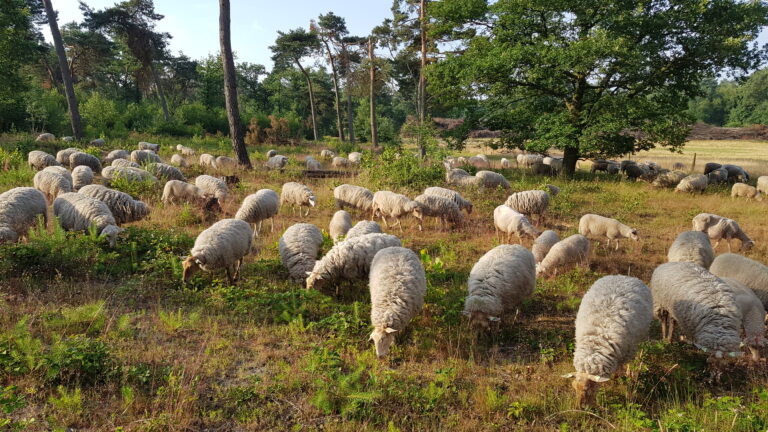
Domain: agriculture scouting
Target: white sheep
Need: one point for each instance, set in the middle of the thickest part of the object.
(751, 273)
(498, 283)
(165, 171)
(62, 171)
(46, 137)
(127, 173)
(460, 201)
(565, 254)
(297, 195)
(116, 154)
(51, 184)
(78, 212)
(178, 160)
(613, 318)
(123, 207)
(312, 164)
(762, 185)
(349, 260)
(543, 244)
(144, 156)
(276, 162)
(459, 177)
(121, 163)
(79, 158)
(505, 163)
(601, 226)
(298, 248)
(397, 285)
(555, 162)
(38, 160)
(208, 161)
(744, 190)
(693, 183)
(223, 245)
(340, 224)
(271, 153)
(340, 162)
(692, 246)
(440, 207)
(511, 222)
(356, 197)
(478, 162)
(327, 154)
(213, 186)
(752, 317)
(394, 205)
(143, 145)
(362, 228)
(186, 151)
(226, 163)
(530, 203)
(491, 180)
(62, 156)
(718, 176)
(669, 179)
(718, 228)
(176, 191)
(82, 175)
(529, 160)
(259, 207)
(355, 157)
(20, 209)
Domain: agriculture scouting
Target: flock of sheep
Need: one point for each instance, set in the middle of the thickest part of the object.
(709, 301)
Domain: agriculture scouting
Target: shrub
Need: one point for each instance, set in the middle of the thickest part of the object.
(256, 131)
(397, 168)
(102, 117)
(78, 359)
(278, 132)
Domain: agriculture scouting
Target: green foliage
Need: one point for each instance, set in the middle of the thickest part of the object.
(134, 188)
(397, 167)
(78, 359)
(67, 406)
(11, 401)
(19, 350)
(88, 319)
(173, 322)
(102, 116)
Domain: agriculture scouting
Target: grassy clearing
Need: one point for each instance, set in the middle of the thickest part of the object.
(95, 338)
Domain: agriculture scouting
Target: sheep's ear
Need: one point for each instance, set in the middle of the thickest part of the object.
(309, 273)
(389, 330)
(568, 375)
(197, 261)
(597, 379)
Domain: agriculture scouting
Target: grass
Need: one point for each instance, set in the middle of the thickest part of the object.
(98, 339)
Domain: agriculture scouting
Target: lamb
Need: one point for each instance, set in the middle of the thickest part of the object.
(179, 191)
(298, 247)
(718, 176)
(340, 162)
(498, 283)
(692, 246)
(463, 204)
(394, 205)
(397, 285)
(601, 226)
(178, 160)
(478, 162)
(439, 207)
(669, 179)
(613, 318)
(271, 153)
(751, 273)
(491, 180)
(225, 163)
(543, 244)
(144, 156)
(277, 162)
(143, 145)
(223, 245)
(511, 222)
(39, 160)
(77, 212)
(129, 174)
(355, 158)
(213, 186)
(116, 154)
(82, 175)
(20, 209)
(185, 151)
(297, 195)
(327, 154)
(46, 137)
(565, 254)
(362, 228)
(62, 171)
(51, 184)
(123, 207)
(62, 156)
(164, 171)
(702, 305)
(752, 317)
(736, 173)
(356, 197)
(340, 224)
(207, 161)
(79, 158)
(505, 163)
(349, 260)
(744, 190)
(718, 228)
(259, 207)
(762, 185)
(124, 163)
(313, 164)
(529, 203)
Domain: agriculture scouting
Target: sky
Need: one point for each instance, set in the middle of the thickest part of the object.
(194, 24)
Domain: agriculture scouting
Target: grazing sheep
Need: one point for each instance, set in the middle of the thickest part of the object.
(61, 171)
(711, 166)
(144, 156)
(223, 245)
(633, 171)
(718, 176)
(669, 179)
(552, 189)
(491, 180)
(297, 195)
(498, 283)
(123, 207)
(213, 186)
(601, 226)
(692, 246)
(79, 158)
(362, 228)
(762, 185)
(179, 191)
(46, 137)
(98, 142)
(312, 164)
(613, 318)
(124, 163)
(479, 162)
(529, 160)
(752, 317)
(599, 165)
(505, 163)
(164, 171)
(718, 228)
(298, 247)
(179, 161)
(271, 153)
(456, 197)
(259, 207)
(327, 154)
(39, 160)
(356, 197)
(68, 139)
(340, 162)
(554, 162)
(511, 222)
(143, 145)
(678, 166)
(116, 154)
(127, 173)
(541, 169)
(751, 273)
(51, 184)
(397, 285)
(440, 207)
(82, 175)
(62, 156)
(349, 260)
(529, 203)
(744, 190)
(225, 163)
(340, 224)
(565, 254)
(207, 161)
(277, 162)
(394, 205)
(77, 212)
(700, 304)
(20, 209)
(355, 157)
(459, 177)
(736, 173)
(185, 151)
(543, 244)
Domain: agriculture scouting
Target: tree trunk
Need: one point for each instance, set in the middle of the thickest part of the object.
(160, 92)
(230, 87)
(374, 125)
(350, 118)
(66, 77)
(422, 90)
(311, 98)
(570, 157)
(335, 77)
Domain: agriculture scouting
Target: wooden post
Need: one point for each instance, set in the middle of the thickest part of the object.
(693, 164)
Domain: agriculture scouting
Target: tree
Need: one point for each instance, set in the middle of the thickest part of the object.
(372, 96)
(17, 45)
(593, 78)
(66, 76)
(87, 52)
(230, 87)
(331, 29)
(290, 48)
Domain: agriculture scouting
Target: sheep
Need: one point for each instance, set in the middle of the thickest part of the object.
(225, 163)
(259, 207)
(39, 160)
(129, 174)
(439, 207)
(612, 168)
(505, 163)
(718, 228)
(116, 154)
(207, 161)
(143, 145)
(51, 184)
(456, 197)
(297, 195)
(276, 162)
(529, 203)
(394, 205)
(678, 166)
(271, 153)
(362, 228)
(554, 162)
(77, 212)
(340, 162)
(599, 165)
(751, 273)
(82, 175)
(752, 317)
(565, 254)
(745, 191)
(498, 283)
(62, 156)
(175, 190)
(80, 158)
(711, 166)
(123, 207)
(164, 171)
(669, 179)
(313, 164)
(185, 151)
(144, 156)
(46, 137)
(327, 154)
(356, 197)
(509, 221)
(20, 209)
(529, 160)
(718, 176)
(62, 171)
(543, 170)
(213, 186)
(701, 304)
(614, 317)
(349, 260)
(179, 161)
(355, 158)
(491, 180)
(552, 189)
(633, 171)
(124, 163)
(736, 173)
(601, 226)
(223, 245)
(340, 224)
(397, 284)
(298, 248)
(692, 246)
(693, 183)
(459, 177)
(543, 244)
(762, 185)
(479, 162)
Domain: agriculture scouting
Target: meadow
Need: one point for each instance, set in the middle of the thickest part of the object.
(95, 338)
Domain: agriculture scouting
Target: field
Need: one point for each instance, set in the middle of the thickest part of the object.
(94, 338)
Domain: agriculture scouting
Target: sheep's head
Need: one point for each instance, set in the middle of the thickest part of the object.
(315, 278)
(382, 339)
(747, 245)
(111, 232)
(633, 235)
(312, 200)
(701, 222)
(586, 387)
(541, 271)
(8, 235)
(469, 209)
(417, 212)
(190, 266)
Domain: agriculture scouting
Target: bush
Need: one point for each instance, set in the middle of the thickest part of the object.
(102, 117)
(78, 359)
(398, 168)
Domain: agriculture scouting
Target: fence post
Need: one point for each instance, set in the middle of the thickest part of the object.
(693, 165)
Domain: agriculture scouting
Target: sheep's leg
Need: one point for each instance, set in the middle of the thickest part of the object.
(229, 276)
(259, 228)
(716, 243)
(617, 244)
(729, 244)
(237, 271)
(670, 329)
(663, 321)
(384, 219)
(272, 222)
(399, 225)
